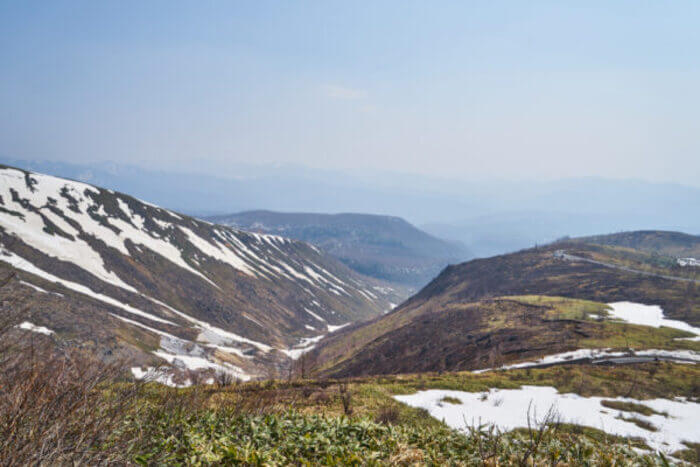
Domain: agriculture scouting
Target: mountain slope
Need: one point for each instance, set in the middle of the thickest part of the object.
(384, 247)
(129, 279)
(523, 305)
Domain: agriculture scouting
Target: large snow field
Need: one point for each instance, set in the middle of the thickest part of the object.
(508, 409)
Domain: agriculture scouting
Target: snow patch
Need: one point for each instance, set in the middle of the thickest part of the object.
(332, 328)
(648, 315)
(26, 325)
(305, 345)
(508, 409)
(594, 354)
(189, 362)
(314, 314)
(211, 334)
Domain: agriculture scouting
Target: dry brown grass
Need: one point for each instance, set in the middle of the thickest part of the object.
(51, 408)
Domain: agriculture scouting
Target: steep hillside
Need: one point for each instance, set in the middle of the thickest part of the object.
(105, 271)
(384, 247)
(517, 307)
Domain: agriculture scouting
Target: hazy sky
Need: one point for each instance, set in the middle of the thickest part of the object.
(520, 89)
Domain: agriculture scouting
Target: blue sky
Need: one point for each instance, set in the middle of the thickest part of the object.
(473, 90)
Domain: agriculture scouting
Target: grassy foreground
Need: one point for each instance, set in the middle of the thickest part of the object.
(74, 412)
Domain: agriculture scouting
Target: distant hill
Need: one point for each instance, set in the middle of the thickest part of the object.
(383, 247)
(673, 244)
(524, 305)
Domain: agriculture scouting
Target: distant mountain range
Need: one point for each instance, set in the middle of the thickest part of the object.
(502, 232)
(531, 304)
(489, 218)
(101, 270)
(383, 247)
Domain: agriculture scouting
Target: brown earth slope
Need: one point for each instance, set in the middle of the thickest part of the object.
(465, 319)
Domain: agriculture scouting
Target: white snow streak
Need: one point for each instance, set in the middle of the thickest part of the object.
(21, 263)
(26, 325)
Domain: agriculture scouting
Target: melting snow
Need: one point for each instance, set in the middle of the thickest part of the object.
(184, 354)
(559, 357)
(200, 363)
(212, 334)
(305, 345)
(332, 328)
(220, 252)
(46, 196)
(596, 354)
(508, 409)
(649, 315)
(39, 289)
(21, 263)
(77, 210)
(314, 314)
(34, 328)
(77, 251)
(159, 376)
(141, 325)
(30, 227)
(688, 262)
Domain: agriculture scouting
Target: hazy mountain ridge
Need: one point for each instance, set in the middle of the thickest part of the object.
(672, 244)
(132, 279)
(384, 247)
(488, 217)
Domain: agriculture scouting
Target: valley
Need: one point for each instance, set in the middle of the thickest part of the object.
(591, 343)
(130, 280)
(362, 234)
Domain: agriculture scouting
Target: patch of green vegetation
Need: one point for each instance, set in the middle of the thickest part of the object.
(643, 424)
(451, 400)
(227, 437)
(358, 421)
(646, 381)
(565, 308)
(630, 407)
(601, 436)
(620, 335)
(217, 425)
(306, 422)
(609, 334)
